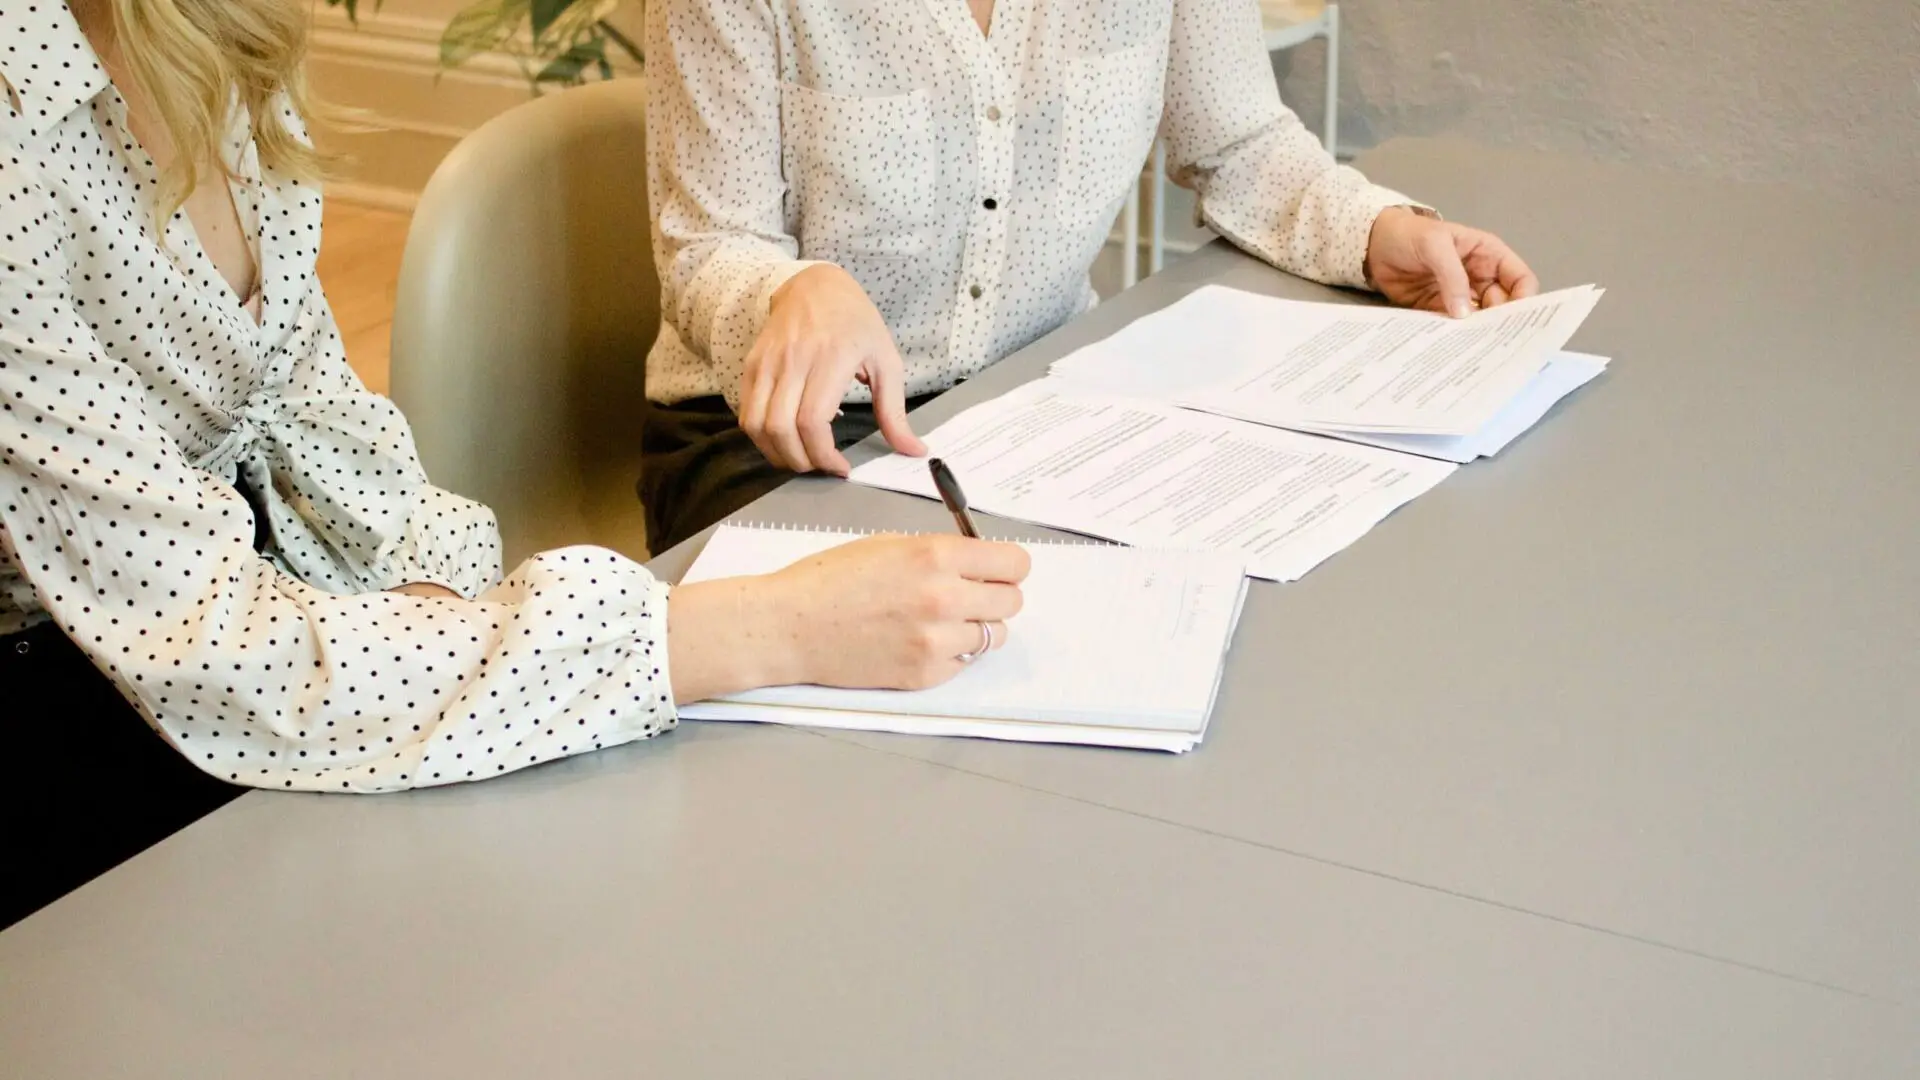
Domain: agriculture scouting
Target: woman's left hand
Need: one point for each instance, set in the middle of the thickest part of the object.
(1422, 262)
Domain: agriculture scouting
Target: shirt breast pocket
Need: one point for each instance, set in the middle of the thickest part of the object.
(862, 170)
(1111, 109)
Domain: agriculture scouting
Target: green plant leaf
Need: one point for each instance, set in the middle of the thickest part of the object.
(573, 22)
(569, 66)
(543, 13)
(478, 28)
(622, 41)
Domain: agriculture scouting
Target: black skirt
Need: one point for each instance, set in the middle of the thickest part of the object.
(85, 784)
(697, 466)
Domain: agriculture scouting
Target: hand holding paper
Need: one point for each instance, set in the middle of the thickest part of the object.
(1422, 262)
(1335, 368)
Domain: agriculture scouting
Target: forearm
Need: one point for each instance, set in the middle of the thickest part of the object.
(714, 172)
(1264, 180)
(1269, 202)
(731, 635)
(720, 289)
(565, 657)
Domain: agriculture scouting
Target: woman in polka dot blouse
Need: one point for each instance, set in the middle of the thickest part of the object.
(219, 562)
(860, 202)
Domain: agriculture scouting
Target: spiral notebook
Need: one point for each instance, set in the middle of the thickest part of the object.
(1114, 646)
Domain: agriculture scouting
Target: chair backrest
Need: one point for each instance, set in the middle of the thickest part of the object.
(526, 305)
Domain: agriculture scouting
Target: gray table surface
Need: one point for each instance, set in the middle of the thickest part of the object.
(1599, 760)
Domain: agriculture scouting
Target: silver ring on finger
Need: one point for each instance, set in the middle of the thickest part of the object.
(986, 645)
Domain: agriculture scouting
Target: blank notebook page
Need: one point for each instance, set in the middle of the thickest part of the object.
(1108, 638)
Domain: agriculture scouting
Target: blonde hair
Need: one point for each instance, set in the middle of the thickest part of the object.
(197, 59)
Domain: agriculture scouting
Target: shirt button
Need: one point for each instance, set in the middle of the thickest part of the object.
(993, 113)
(975, 291)
(991, 204)
(23, 647)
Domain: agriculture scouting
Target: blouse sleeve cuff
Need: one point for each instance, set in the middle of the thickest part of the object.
(752, 305)
(653, 630)
(596, 611)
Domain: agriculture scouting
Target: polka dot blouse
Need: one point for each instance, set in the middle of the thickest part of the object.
(136, 392)
(966, 180)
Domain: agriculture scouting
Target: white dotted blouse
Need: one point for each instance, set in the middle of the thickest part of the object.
(136, 389)
(966, 180)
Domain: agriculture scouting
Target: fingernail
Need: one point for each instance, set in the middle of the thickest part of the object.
(1458, 308)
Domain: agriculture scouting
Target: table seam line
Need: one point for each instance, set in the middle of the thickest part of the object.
(1395, 878)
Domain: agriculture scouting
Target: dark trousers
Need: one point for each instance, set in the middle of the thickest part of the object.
(697, 466)
(85, 784)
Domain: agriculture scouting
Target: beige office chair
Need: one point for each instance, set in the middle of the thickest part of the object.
(526, 305)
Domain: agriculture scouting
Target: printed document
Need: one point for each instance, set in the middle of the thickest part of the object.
(1150, 474)
(1337, 369)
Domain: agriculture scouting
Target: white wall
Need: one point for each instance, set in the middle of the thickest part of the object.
(1814, 93)
(1820, 93)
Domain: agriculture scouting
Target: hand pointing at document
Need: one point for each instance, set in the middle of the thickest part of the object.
(1423, 262)
(821, 333)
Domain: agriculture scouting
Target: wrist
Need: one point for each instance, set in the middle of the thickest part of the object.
(731, 635)
(1391, 218)
(809, 277)
(772, 628)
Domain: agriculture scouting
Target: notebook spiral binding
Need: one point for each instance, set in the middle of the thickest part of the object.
(829, 530)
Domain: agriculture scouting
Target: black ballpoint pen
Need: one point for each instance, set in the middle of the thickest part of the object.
(955, 499)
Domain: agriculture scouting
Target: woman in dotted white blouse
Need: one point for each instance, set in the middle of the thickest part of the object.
(860, 202)
(219, 562)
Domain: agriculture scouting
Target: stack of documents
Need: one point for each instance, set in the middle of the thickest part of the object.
(1228, 422)
(1455, 389)
(1152, 474)
(1113, 647)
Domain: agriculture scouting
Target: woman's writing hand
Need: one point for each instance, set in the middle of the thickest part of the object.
(890, 612)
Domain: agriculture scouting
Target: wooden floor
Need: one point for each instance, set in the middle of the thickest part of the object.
(360, 267)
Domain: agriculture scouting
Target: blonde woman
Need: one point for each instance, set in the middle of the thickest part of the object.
(220, 564)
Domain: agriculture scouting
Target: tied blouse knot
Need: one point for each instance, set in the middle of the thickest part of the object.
(332, 465)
